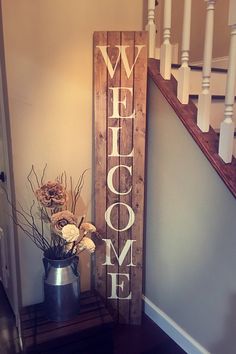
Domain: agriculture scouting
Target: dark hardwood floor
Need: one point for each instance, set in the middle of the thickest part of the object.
(9, 342)
(144, 339)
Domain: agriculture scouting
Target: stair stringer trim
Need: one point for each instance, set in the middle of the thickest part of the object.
(207, 142)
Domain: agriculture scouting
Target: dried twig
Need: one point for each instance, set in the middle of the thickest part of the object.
(77, 191)
(26, 219)
(43, 174)
(36, 176)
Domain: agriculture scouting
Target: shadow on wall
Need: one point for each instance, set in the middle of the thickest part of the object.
(227, 345)
(145, 14)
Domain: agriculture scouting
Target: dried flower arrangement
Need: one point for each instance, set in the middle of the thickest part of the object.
(51, 222)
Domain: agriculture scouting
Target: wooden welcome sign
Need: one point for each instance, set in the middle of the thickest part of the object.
(120, 80)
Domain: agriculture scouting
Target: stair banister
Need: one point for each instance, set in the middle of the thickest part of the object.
(151, 28)
(227, 126)
(165, 52)
(184, 70)
(204, 101)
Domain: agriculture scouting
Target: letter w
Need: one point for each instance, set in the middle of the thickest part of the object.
(128, 245)
(121, 54)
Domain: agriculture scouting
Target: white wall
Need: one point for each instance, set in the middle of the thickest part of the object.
(49, 70)
(190, 235)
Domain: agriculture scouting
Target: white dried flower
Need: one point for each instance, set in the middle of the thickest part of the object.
(70, 232)
(86, 244)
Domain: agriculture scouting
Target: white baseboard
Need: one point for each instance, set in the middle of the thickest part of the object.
(172, 329)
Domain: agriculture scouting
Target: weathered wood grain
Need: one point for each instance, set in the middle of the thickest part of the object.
(113, 40)
(41, 335)
(126, 185)
(100, 127)
(126, 146)
(140, 82)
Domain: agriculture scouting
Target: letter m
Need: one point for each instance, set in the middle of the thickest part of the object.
(109, 246)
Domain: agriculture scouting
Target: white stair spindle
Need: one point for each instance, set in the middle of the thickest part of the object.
(184, 70)
(151, 28)
(204, 101)
(165, 53)
(227, 126)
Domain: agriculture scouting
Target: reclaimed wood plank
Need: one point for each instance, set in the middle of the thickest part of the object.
(121, 55)
(100, 119)
(140, 82)
(45, 337)
(52, 329)
(114, 39)
(126, 147)
(41, 333)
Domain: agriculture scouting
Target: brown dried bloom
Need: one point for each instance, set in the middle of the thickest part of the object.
(86, 228)
(61, 219)
(51, 194)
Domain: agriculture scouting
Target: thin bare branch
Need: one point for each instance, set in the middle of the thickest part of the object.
(72, 195)
(29, 180)
(36, 176)
(77, 190)
(36, 241)
(81, 220)
(43, 175)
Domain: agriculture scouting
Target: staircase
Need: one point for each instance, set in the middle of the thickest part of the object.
(218, 87)
(202, 97)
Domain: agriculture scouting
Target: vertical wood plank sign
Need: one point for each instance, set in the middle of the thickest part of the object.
(120, 81)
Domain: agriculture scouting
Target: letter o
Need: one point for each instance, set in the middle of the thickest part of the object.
(108, 217)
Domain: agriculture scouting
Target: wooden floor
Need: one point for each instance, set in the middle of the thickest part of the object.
(9, 343)
(145, 339)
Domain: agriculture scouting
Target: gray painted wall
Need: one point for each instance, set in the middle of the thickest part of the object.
(191, 233)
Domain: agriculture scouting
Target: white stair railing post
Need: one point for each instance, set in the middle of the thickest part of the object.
(165, 53)
(204, 100)
(184, 70)
(151, 28)
(227, 126)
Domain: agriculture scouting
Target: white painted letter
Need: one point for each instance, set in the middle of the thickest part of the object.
(116, 102)
(114, 286)
(115, 139)
(122, 54)
(128, 245)
(108, 217)
(110, 177)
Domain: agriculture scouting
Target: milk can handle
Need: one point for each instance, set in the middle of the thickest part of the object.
(74, 266)
(46, 267)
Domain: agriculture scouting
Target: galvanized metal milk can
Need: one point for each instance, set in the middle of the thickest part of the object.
(61, 288)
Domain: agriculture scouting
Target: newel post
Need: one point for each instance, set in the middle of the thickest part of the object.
(184, 70)
(151, 28)
(165, 53)
(227, 126)
(204, 101)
